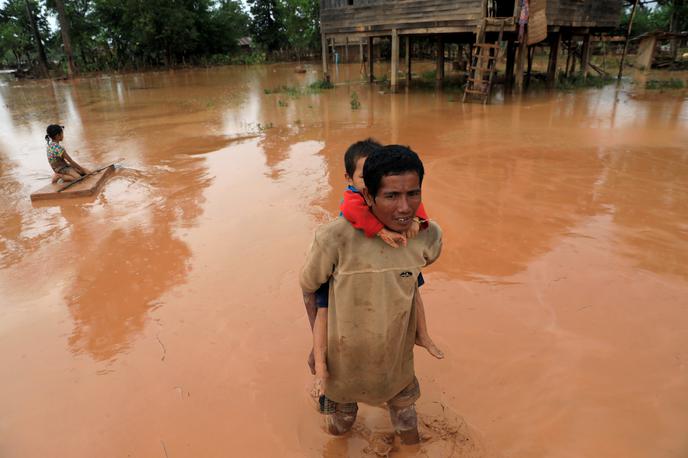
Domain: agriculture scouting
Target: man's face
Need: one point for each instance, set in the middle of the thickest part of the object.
(397, 200)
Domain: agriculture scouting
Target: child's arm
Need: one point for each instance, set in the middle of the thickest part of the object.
(422, 336)
(423, 216)
(73, 163)
(320, 351)
(356, 211)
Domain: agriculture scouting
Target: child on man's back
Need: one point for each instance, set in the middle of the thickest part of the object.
(356, 211)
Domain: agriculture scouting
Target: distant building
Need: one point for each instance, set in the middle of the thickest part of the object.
(467, 21)
(246, 43)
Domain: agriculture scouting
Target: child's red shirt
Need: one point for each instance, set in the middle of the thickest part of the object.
(357, 212)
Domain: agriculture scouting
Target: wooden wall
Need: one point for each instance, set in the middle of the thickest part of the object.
(337, 16)
(341, 17)
(584, 13)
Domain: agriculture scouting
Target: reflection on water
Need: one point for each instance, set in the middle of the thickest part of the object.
(132, 264)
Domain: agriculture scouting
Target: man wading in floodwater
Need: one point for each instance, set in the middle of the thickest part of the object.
(363, 342)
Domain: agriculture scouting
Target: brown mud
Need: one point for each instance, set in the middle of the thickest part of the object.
(163, 317)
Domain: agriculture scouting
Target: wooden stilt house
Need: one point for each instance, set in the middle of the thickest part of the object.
(484, 24)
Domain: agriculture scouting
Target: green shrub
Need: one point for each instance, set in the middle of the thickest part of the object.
(321, 84)
(579, 81)
(355, 103)
(664, 84)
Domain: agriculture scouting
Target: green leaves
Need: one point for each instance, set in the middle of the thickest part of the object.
(286, 24)
(121, 34)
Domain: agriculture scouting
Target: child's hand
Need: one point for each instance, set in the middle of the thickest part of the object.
(391, 238)
(414, 229)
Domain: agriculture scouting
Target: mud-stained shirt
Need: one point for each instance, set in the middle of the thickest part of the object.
(371, 327)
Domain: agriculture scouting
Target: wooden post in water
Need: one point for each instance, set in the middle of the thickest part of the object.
(510, 57)
(394, 64)
(585, 55)
(326, 72)
(574, 59)
(408, 60)
(439, 71)
(628, 36)
(555, 43)
(531, 54)
(521, 61)
(361, 58)
(333, 50)
(568, 56)
(346, 50)
(371, 62)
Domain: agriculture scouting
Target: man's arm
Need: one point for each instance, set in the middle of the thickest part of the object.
(317, 270)
(320, 262)
(433, 248)
(311, 309)
(320, 351)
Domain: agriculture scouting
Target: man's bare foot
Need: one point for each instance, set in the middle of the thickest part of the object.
(427, 343)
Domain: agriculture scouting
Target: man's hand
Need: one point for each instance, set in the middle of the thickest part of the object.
(391, 238)
(414, 229)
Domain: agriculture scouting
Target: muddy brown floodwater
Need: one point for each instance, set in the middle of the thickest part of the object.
(163, 318)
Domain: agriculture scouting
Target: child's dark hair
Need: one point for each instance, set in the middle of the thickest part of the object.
(53, 131)
(364, 148)
(390, 160)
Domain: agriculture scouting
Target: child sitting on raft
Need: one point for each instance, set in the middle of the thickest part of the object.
(63, 165)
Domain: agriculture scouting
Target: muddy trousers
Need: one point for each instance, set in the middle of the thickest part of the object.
(404, 419)
(402, 412)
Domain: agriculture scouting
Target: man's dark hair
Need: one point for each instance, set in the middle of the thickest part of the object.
(364, 148)
(390, 160)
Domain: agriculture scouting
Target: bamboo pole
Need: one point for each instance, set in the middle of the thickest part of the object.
(628, 36)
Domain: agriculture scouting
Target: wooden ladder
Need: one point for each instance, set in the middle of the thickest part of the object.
(483, 65)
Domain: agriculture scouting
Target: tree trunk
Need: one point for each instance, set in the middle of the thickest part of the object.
(66, 39)
(42, 60)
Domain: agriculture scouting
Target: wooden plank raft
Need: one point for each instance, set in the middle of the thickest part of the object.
(87, 187)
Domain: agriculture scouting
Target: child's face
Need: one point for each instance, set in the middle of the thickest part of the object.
(357, 180)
